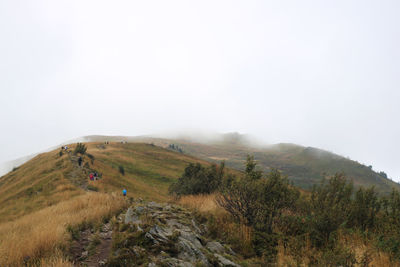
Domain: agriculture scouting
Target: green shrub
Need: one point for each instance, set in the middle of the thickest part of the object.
(92, 188)
(197, 179)
(338, 256)
(258, 202)
(91, 157)
(121, 170)
(80, 149)
(330, 208)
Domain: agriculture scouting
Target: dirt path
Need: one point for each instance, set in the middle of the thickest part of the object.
(92, 249)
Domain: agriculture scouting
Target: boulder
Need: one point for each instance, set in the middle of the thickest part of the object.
(215, 247)
(225, 262)
(131, 217)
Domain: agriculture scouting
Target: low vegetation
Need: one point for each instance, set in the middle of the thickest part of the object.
(80, 149)
(262, 216)
(197, 179)
(268, 220)
(41, 236)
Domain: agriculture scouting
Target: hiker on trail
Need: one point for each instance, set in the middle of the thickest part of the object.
(91, 176)
(124, 192)
(80, 161)
(95, 175)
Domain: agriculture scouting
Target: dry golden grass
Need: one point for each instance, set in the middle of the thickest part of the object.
(223, 222)
(55, 260)
(40, 234)
(362, 247)
(355, 242)
(202, 203)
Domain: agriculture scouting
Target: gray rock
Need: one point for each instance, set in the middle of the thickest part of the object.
(225, 262)
(215, 247)
(230, 251)
(150, 237)
(106, 227)
(131, 217)
(154, 205)
(192, 238)
(106, 235)
(84, 254)
(196, 228)
(139, 210)
(152, 264)
(190, 252)
(177, 225)
(173, 262)
(158, 233)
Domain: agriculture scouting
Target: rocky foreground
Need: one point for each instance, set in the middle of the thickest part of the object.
(151, 234)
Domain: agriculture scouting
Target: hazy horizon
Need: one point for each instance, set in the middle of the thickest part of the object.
(312, 73)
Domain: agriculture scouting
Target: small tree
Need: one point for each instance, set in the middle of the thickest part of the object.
(258, 202)
(80, 149)
(364, 209)
(330, 208)
(121, 170)
(197, 179)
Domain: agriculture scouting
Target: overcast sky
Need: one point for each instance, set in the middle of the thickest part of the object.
(315, 73)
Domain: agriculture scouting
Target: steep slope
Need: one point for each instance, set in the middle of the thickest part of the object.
(305, 166)
(50, 177)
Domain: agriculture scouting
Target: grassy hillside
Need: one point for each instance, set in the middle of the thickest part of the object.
(50, 178)
(49, 195)
(305, 166)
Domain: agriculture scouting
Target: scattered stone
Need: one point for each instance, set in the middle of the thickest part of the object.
(175, 237)
(225, 262)
(84, 254)
(139, 210)
(150, 237)
(191, 253)
(106, 235)
(131, 217)
(215, 247)
(154, 205)
(196, 228)
(173, 262)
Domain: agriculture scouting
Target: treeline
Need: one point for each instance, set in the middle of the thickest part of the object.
(277, 212)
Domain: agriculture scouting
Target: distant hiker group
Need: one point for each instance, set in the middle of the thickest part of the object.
(93, 176)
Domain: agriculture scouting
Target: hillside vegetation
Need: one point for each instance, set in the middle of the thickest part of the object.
(304, 166)
(50, 177)
(52, 214)
(268, 221)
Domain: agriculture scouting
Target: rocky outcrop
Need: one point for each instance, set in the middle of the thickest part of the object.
(153, 234)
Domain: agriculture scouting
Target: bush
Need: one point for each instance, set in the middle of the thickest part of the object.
(330, 208)
(121, 170)
(91, 157)
(80, 149)
(92, 188)
(258, 202)
(197, 179)
(175, 147)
